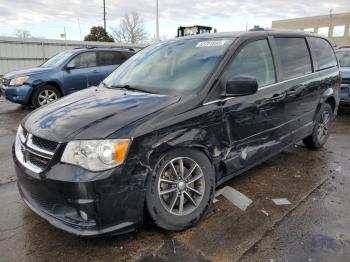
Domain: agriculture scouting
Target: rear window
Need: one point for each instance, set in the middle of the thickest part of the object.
(105, 58)
(294, 57)
(325, 56)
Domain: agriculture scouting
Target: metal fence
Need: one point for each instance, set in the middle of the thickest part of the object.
(22, 53)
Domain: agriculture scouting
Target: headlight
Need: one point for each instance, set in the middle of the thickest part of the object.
(19, 81)
(96, 155)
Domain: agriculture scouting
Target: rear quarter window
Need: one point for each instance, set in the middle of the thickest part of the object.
(325, 56)
(105, 58)
(294, 56)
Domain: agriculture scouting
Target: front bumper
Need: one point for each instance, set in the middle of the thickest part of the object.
(18, 94)
(112, 204)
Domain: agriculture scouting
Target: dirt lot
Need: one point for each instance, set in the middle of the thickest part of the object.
(314, 227)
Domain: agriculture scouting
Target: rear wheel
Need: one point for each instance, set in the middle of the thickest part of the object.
(321, 131)
(45, 95)
(181, 189)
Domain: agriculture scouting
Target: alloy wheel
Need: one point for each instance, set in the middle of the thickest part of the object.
(46, 97)
(181, 186)
(323, 126)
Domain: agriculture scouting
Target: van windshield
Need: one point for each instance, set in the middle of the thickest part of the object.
(176, 66)
(57, 60)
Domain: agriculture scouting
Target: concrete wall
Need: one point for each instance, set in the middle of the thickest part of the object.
(316, 22)
(19, 53)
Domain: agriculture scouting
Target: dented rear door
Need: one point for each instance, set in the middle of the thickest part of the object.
(253, 122)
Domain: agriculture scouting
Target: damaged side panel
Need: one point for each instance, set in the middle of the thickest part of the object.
(203, 130)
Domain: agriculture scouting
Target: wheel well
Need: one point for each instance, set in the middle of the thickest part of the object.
(153, 157)
(331, 102)
(54, 84)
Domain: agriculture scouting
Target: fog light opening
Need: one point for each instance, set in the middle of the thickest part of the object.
(83, 215)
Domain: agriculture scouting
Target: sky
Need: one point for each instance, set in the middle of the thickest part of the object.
(48, 18)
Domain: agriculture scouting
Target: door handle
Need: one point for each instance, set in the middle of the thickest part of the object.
(291, 92)
(95, 71)
(277, 97)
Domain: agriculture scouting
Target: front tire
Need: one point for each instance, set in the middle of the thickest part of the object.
(45, 95)
(181, 189)
(321, 131)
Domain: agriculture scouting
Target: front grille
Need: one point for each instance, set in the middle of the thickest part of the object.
(34, 152)
(44, 144)
(345, 81)
(38, 160)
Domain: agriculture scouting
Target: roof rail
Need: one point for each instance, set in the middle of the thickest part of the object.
(93, 47)
(257, 28)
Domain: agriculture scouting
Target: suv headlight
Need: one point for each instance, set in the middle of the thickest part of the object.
(96, 155)
(18, 81)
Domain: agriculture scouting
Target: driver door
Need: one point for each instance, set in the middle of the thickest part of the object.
(253, 122)
(81, 72)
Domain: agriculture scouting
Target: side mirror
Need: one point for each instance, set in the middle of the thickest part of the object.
(241, 85)
(70, 66)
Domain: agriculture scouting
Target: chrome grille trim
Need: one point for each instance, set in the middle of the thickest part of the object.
(30, 155)
(20, 158)
(32, 146)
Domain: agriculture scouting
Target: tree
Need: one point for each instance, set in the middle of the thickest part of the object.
(22, 33)
(99, 34)
(131, 29)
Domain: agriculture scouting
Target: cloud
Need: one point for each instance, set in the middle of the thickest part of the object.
(24, 13)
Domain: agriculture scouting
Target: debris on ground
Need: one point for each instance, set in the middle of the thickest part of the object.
(281, 201)
(264, 212)
(338, 169)
(235, 197)
(173, 246)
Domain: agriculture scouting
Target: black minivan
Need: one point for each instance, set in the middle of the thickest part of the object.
(171, 124)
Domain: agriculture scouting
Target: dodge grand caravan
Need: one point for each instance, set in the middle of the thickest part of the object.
(65, 73)
(171, 124)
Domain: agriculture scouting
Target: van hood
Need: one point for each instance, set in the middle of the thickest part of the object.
(93, 113)
(26, 72)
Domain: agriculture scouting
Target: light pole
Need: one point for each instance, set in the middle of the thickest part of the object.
(157, 21)
(104, 14)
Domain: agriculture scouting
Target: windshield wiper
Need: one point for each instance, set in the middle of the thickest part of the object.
(133, 88)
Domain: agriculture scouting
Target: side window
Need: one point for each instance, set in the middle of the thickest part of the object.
(325, 56)
(294, 57)
(128, 54)
(254, 59)
(105, 58)
(84, 60)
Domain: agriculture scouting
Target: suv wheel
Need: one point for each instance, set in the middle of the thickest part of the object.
(181, 189)
(321, 131)
(45, 95)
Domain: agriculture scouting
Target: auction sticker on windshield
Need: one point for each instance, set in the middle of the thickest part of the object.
(211, 43)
